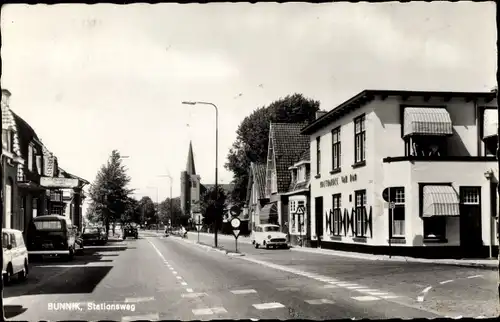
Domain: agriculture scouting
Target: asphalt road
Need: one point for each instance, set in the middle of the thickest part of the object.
(173, 279)
(450, 290)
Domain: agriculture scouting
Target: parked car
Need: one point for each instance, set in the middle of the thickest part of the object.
(130, 231)
(15, 256)
(51, 235)
(269, 236)
(94, 235)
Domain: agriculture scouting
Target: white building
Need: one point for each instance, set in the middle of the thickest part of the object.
(434, 151)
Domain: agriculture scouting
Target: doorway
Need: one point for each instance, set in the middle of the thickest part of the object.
(471, 240)
(319, 218)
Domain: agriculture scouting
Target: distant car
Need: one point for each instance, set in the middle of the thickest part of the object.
(94, 235)
(15, 255)
(130, 231)
(269, 236)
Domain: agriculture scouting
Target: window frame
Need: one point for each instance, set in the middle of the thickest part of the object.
(31, 150)
(360, 213)
(393, 193)
(360, 139)
(336, 149)
(427, 220)
(318, 155)
(337, 214)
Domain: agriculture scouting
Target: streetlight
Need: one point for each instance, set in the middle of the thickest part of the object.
(171, 214)
(157, 207)
(216, 156)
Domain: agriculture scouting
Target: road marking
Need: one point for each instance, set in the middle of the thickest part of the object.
(239, 292)
(329, 286)
(356, 287)
(367, 290)
(420, 298)
(189, 290)
(171, 268)
(174, 272)
(365, 298)
(184, 283)
(446, 282)
(178, 277)
(214, 310)
(474, 276)
(377, 293)
(427, 289)
(287, 289)
(320, 301)
(192, 295)
(386, 297)
(346, 284)
(148, 317)
(138, 299)
(267, 306)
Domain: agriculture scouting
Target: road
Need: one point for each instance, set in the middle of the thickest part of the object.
(174, 279)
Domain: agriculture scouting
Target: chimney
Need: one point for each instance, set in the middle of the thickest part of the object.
(320, 114)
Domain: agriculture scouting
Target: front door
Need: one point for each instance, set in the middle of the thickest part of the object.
(470, 221)
(318, 211)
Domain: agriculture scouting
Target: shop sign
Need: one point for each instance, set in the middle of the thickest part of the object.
(338, 180)
(50, 182)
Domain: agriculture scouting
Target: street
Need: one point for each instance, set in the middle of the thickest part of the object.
(173, 278)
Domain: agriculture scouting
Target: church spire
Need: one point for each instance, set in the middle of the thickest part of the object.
(190, 161)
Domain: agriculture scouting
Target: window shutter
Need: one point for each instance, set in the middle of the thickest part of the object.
(328, 217)
(368, 222)
(353, 221)
(345, 220)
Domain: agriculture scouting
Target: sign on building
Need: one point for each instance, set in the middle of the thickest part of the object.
(50, 182)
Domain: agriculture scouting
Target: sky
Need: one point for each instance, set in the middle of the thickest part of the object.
(90, 79)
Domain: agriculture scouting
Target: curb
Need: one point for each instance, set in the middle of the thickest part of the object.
(212, 248)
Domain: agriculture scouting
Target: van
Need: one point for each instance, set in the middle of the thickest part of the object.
(15, 255)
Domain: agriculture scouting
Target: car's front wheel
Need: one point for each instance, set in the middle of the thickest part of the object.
(23, 275)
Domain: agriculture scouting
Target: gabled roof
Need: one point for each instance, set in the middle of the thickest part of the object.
(288, 144)
(305, 156)
(66, 174)
(368, 95)
(190, 160)
(294, 185)
(259, 177)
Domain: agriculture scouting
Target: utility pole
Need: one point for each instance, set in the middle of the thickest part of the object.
(498, 190)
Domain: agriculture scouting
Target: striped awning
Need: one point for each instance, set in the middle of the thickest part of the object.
(490, 122)
(427, 121)
(268, 211)
(440, 201)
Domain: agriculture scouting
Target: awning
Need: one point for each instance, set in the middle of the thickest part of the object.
(269, 211)
(490, 122)
(427, 121)
(30, 186)
(440, 201)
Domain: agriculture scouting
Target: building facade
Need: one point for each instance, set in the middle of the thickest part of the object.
(190, 186)
(256, 193)
(406, 172)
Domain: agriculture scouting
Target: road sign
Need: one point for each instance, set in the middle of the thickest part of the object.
(235, 223)
(300, 210)
(236, 232)
(198, 227)
(235, 211)
(392, 205)
(385, 195)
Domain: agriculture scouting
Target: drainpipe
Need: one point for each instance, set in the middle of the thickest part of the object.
(498, 189)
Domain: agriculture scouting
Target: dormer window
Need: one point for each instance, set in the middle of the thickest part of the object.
(301, 173)
(294, 174)
(30, 157)
(7, 140)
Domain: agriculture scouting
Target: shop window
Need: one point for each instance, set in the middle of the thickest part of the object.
(426, 145)
(359, 139)
(435, 228)
(318, 155)
(360, 199)
(336, 151)
(397, 216)
(337, 214)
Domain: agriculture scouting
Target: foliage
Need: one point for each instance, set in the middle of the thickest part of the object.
(170, 209)
(147, 209)
(109, 194)
(132, 212)
(212, 206)
(253, 135)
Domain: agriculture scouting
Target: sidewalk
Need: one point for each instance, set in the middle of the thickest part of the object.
(482, 263)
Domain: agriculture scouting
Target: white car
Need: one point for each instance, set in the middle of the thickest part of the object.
(15, 255)
(269, 236)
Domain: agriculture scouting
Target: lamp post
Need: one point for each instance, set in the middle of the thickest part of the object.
(216, 159)
(171, 213)
(156, 210)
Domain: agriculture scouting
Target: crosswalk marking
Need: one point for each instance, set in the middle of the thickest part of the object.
(387, 297)
(138, 299)
(287, 289)
(267, 306)
(329, 286)
(148, 317)
(209, 311)
(320, 301)
(239, 292)
(378, 293)
(184, 283)
(365, 298)
(179, 277)
(193, 295)
(347, 284)
(367, 290)
(355, 287)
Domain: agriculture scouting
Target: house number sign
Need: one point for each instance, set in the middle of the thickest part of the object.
(336, 181)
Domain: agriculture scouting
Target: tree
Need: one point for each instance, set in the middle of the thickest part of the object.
(170, 209)
(147, 210)
(212, 208)
(132, 212)
(253, 134)
(109, 193)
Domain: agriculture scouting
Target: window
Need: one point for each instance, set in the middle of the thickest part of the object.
(490, 145)
(272, 229)
(301, 174)
(39, 164)
(300, 218)
(30, 157)
(470, 196)
(318, 155)
(360, 198)
(336, 149)
(359, 139)
(274, 182)
(8, 205)
(13, 240)
(397, 215)
(7, 140)
(435, 227)
(426, 145)
(193, 184)
(337, 214)
(48, 225)
(34, 207)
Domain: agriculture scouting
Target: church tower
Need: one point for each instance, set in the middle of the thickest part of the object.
(190, 186)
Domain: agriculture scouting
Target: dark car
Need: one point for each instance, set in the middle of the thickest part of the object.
(130, 231)
(51, 235)
(94, 235)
